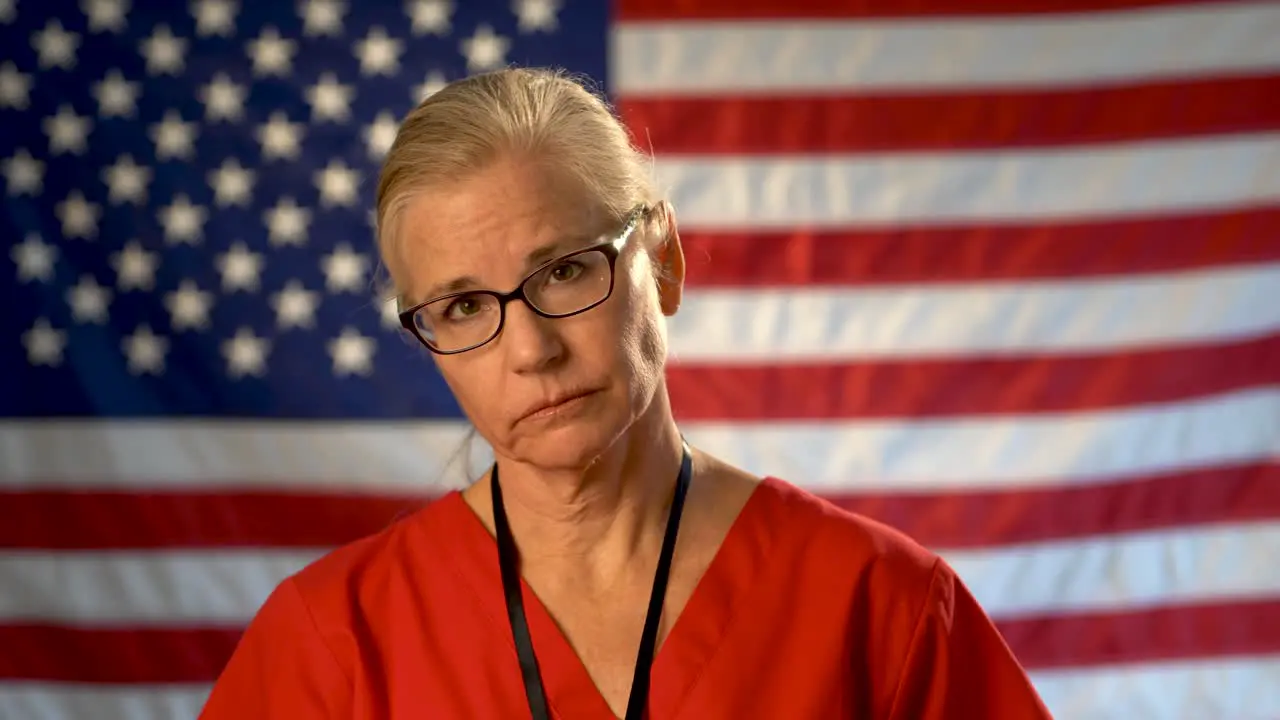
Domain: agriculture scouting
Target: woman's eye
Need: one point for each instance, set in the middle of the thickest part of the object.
(460, 309)
(565, 271)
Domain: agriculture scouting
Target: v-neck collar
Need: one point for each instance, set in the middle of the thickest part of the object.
(692, 641)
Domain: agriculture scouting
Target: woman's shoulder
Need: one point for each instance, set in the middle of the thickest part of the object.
(375, 561)
(832, 538)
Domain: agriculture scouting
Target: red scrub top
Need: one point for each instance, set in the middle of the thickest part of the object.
(807, 611)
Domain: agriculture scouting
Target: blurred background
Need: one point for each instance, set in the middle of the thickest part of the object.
(1004, 274)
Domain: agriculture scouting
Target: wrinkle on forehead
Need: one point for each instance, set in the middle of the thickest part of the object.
(487, 226)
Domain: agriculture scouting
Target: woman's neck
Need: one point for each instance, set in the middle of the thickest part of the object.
(588, 525)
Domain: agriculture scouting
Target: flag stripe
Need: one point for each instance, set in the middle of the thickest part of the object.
(164, 588)
(750, 326)
(60, 701)
(975, 119)
(1114, 571)
(713, 192)
(141, 655)
(912, 455)
(1187, 690)
(149, 655)
(787, 57)
(966, 519)
(1220, 630)
(682, 10)
(121, 520)
(972, 387)
(980, 252)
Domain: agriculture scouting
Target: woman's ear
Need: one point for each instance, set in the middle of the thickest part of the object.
(668, 259)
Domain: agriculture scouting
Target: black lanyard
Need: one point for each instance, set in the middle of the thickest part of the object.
(515, 604)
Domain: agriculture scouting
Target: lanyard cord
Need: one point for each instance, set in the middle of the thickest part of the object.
(507, 564)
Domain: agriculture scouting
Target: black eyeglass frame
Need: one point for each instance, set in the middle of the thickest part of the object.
(611, 249)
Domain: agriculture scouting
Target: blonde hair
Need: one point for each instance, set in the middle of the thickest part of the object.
(545, 115)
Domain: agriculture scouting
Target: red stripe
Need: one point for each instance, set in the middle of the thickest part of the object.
(981, 253)
(1180, 632)
(197, 655)
(980, 519)
(636, 10)
(947, 387)
(98, 521)
(93, 519)
(975, 119)
(115, 655)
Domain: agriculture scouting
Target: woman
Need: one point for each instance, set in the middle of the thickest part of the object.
(601, 568)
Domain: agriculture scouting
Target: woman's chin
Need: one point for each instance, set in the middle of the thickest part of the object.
(565, 446)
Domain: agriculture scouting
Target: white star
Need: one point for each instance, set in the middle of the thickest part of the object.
(116, 96)
(279, 137)
(183, 222)
(390, 314)
(485, 50)
(232, 184)
(44, 344)
(352, 353)
(272, 54)
(34, 258)
(240, 268)
(189, 306)
(287, 222)
(537, 14)
(344, 270)
(322, 17)
(378, 53)
(164, 51)
(173, 137)
(15, 88)
(135, 267)
(338, 184)
(67, 131)
(330, 99)
(434, 83)
(89, 300)
(215, 17)
(380, 134)
(145, 351)
(223, 99)
(246, 354)
(295, 306)
(24, 174)
(430, 16)
(55, 47)
(105, 14)
(8, 11)
(78, 216)
(126, 181)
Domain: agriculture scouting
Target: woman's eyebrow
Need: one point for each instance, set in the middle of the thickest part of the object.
(532, 259)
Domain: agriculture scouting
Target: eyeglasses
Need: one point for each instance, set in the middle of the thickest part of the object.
(566, 286)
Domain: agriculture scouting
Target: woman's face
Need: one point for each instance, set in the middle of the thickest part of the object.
(492, 230)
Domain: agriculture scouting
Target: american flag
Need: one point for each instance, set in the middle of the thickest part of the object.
(1002, 273)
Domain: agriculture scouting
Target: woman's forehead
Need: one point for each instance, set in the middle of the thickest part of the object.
(488, 240)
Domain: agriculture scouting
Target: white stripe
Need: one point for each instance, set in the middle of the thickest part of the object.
(1008, 452)
(75, 701)
(906, 189)
(1131, 571)
(177, 587)
(709, 58)
(1238, 688)
(220, 587)
(759, 325)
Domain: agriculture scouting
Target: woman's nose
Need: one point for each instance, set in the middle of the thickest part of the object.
(531, 341)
